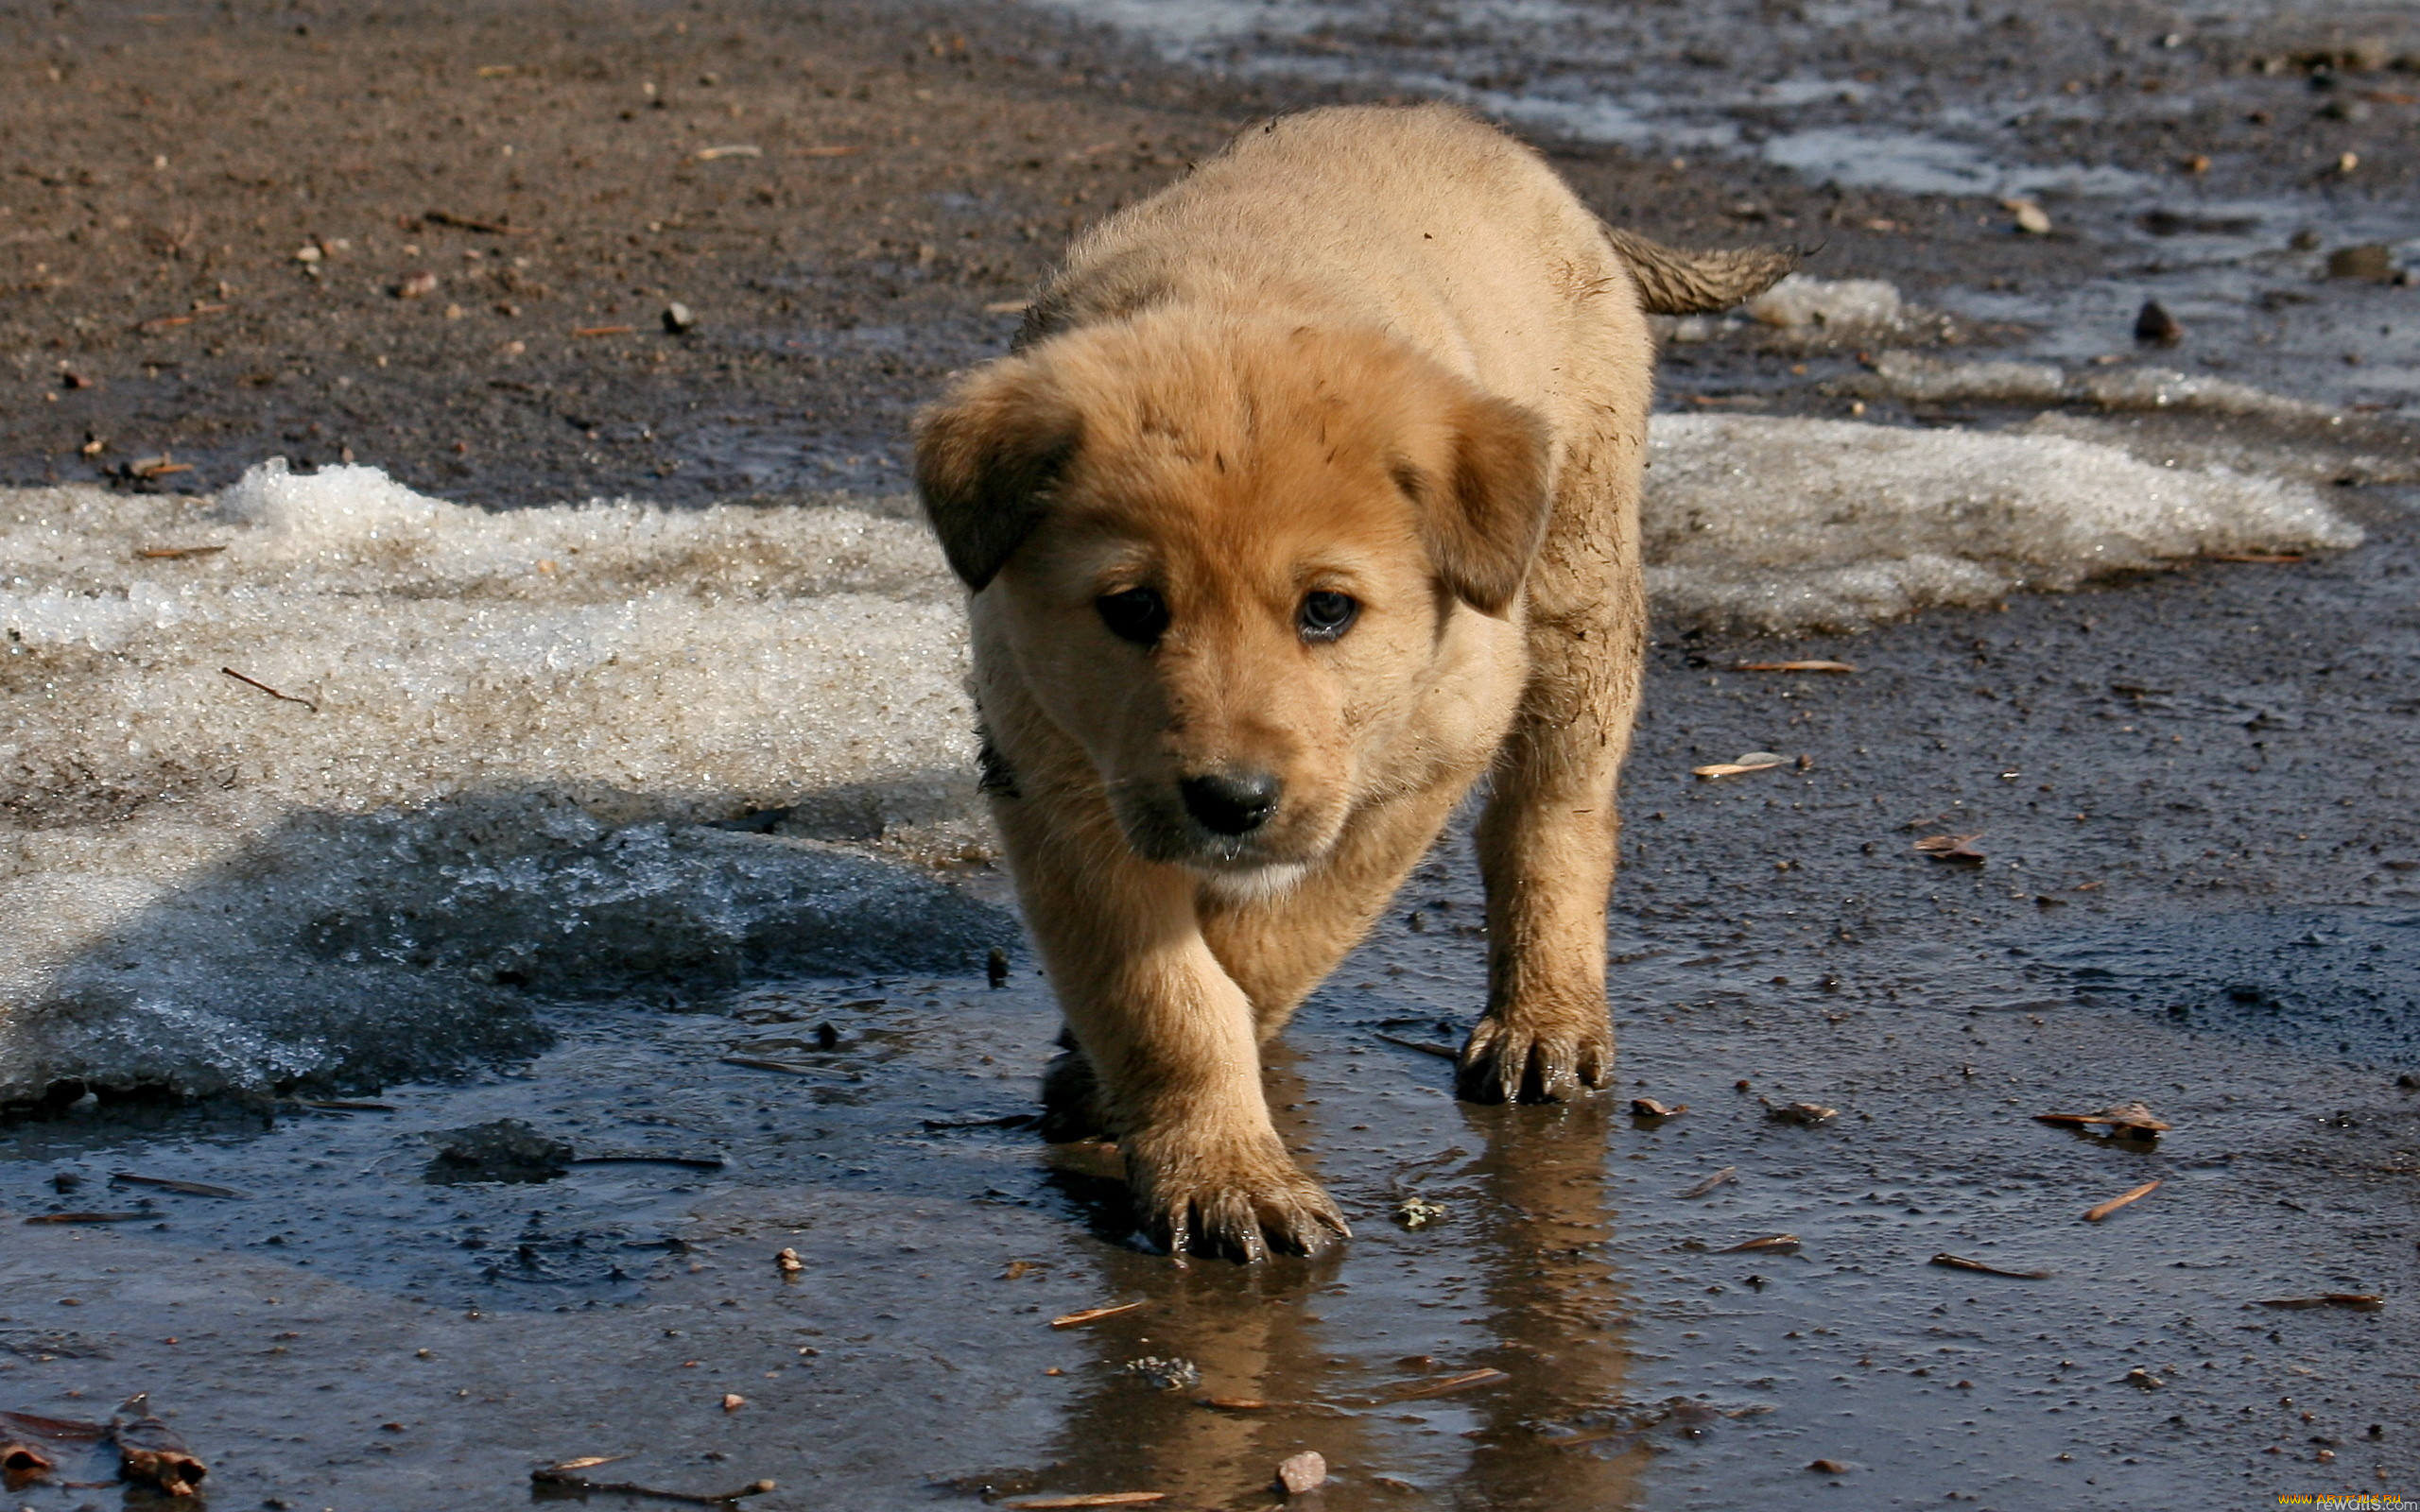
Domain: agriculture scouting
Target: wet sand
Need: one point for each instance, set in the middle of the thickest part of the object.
(2194, 795)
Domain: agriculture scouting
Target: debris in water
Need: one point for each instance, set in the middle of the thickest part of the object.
(1427, 1047)
(1961, 1262)
(1043, 1503)
(1728, 1174)
(1649, 1108)
(1809, 1115)
(1793, 667)
(1418, 1212)
(1160, 1374)
(2124, 1121)
(1954, 848)
(2143, 1379)
(2359, 1301)
(190, 1189)
(152, 1451)
(2372, 261)
(760, 1063)
(89, 1217)
(1092, 1314)
(570, 1476)
(1828, 1467)
(2264, 558)
(327, 1106)
(505, 1151)
(996, 967)
(1775, 1243)
(1755, 761)
(2029, 217)
(786, 1261)
(22, 1461)
(2154, 326)
(1466, 1382)
(1237, 1403)
(733, 1401)
(1298, 1473)
(2096, 1215)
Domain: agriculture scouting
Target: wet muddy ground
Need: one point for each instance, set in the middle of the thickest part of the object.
(2194, 795)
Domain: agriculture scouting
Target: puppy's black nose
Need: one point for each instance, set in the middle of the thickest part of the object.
(1236, 803)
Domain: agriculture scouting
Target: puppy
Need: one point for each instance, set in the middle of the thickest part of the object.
(1308, 497)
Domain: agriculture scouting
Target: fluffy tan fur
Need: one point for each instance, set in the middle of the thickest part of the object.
(1382, 353)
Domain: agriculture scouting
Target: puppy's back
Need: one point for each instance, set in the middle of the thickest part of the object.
(1419, 219)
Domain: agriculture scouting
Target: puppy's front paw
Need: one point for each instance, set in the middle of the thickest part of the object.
(1241, 1206)
(1506, 1061)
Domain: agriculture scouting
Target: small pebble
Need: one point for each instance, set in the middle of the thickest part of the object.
(2154, 324)
(679, 319)
(1302, 1472)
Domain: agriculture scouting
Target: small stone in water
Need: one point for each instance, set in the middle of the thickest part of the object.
(1302, 1472)
(679, 318)
(2154, 324)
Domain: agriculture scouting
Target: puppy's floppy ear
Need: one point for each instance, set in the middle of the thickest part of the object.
(1483, 502)
(986, 457)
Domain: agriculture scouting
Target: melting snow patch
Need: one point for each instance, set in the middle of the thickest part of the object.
(502, 741)
(1785, 525)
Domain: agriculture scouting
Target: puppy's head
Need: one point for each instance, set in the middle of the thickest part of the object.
(1225, 552)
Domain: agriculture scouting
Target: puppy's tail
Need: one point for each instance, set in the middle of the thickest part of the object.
(1678, 283)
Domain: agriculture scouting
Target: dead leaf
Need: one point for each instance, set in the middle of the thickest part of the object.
(2359, 1301)
(2128, 1120)
(1729, 1173)
(1777, 1244)
(1732, 769)
(152, 1451)
(190, 1189)
(1450, 1385)
(2096, 1215)
(1956, 848)
(1793, 667)
(1960, 1262)
(71, 1428)
(1092, 1314)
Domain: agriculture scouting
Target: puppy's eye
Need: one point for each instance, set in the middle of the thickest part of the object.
(1326, 615)
(1138, 614)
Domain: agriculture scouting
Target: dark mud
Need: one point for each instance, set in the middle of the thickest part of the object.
(2194, 797)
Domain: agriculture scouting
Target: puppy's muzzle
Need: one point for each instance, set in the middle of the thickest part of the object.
(1232, 804)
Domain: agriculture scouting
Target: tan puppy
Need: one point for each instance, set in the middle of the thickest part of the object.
(1310, 497)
